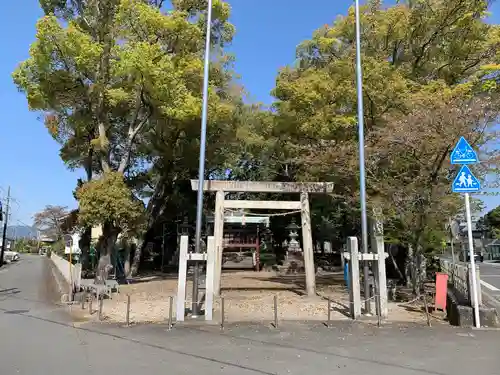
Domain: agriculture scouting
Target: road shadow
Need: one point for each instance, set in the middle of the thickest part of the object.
(341, 308)
(9, 291)
(146, 278)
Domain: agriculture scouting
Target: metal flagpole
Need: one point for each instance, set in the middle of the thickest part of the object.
(472, 261)
(201, 170)
(362, 182)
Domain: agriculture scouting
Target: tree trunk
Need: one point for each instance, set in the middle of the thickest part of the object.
(409, 267)
(417, 270)
(86, 237)
(416, 282)
(395, 264)
(137, 258)
(109, 237)
(421, 266)
(84, 245)
(126, 265)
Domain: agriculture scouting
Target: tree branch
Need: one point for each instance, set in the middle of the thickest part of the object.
(134, 129)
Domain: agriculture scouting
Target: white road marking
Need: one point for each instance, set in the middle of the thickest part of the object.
(489, 286)
(491, 264)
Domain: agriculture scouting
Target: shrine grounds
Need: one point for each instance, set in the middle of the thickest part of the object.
(250, 299)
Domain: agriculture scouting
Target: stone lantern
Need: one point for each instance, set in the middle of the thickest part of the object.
(294, 260)
(293, 233)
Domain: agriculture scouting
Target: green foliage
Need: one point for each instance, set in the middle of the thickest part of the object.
(57, 247)
(492, 222)
(103, 79)
(109, 200)
(119, 83)
(23, 245)
(426, 67)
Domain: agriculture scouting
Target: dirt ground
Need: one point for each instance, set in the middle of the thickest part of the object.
(248, 296)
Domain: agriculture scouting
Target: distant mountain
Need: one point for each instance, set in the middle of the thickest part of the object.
(21, 231)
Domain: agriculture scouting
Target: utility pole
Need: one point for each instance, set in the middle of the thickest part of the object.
(5, 222)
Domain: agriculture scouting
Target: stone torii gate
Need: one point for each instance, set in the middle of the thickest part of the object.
(303, 188)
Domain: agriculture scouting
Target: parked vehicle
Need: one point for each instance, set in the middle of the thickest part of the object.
(12, 256)
(42, 251)
(478, 257)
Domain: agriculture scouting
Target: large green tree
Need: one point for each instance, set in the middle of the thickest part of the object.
(112, 75)
(429, 77)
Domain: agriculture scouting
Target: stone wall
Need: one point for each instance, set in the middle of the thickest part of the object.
(70, 273)
(459, 276)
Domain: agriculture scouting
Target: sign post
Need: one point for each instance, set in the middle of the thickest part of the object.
(467, 183)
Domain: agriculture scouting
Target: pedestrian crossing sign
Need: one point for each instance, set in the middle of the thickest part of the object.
(465, 182)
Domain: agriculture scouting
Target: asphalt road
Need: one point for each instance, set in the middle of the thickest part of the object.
(490, 279)
(38, 337)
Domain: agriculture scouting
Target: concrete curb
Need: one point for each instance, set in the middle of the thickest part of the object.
(462, 315)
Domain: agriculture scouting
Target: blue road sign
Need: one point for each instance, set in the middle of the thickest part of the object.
(465, 182)
(463, 153)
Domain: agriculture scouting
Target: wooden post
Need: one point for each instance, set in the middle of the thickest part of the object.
(379, 317)
(355, 288)
(209, 283)
(222, 314)
(426, 309)
(307, 245)
(170, 311)
(329, 312)
(219, 236)
(275, 311)
(84, 298)
(181, 285)
(127, 317)
(257, 252)
(101, 302)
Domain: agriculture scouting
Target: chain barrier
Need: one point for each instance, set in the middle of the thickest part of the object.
(372, 298)
(402, 304)
(410, 302)
(221, 302)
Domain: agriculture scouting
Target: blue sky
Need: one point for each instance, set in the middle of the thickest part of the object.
(267, 33)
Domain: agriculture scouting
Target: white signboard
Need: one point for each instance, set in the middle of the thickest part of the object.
(71, 244)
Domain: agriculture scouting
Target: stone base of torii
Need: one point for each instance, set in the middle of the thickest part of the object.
(184, 257)
(378, 257)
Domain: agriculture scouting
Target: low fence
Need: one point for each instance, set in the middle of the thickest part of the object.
(72, 273)
(460, 277)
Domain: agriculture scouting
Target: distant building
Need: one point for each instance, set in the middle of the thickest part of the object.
(479, 234)
(46, 239)
(493, 250)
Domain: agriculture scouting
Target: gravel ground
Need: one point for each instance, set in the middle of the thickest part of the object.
(248, 297)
